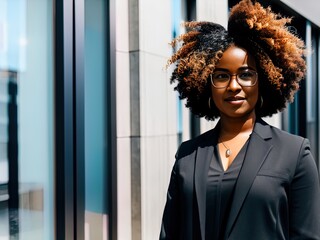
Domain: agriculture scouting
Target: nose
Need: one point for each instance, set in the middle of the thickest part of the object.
(233, 84)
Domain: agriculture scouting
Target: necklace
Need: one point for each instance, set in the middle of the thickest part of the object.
(228, 151)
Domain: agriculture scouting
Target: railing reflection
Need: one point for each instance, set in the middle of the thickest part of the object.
(9, 182)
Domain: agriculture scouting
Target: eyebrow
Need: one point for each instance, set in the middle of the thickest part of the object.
(241, 68)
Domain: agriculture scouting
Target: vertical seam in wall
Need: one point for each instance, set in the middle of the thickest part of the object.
(135, 146)
(135, 188)
(135, 142)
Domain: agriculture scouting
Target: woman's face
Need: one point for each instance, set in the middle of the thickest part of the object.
(235, 100)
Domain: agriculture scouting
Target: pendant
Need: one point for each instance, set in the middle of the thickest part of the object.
(228, 153)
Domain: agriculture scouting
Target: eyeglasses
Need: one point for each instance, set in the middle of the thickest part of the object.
(245, 78)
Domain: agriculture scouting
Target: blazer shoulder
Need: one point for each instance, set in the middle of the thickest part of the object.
(188, 147)
(280, 139)
(285, 136)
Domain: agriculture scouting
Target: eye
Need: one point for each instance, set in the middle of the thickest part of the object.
(246, 75)
(221, 76)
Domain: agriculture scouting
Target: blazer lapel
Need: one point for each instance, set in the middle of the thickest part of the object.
(257, 152)
(203, 159)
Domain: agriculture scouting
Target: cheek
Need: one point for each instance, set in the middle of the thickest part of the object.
(256, 94)
(253, 94)
(216, 96)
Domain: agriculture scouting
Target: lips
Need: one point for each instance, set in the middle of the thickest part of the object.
(234, 98)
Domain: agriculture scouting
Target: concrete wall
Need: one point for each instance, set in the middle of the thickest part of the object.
(146, 112)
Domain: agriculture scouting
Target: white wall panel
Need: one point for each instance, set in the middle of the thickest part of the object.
(213, 11)
(124, 189)
(123, 94)
(155, 27)
(153, 95)
(307, 8)
(171, 104)
(156, 166)
(124, 213)
(158, 115)
(122, 26)
(146, 119)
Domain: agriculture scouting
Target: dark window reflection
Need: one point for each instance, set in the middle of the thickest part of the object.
(9, 196)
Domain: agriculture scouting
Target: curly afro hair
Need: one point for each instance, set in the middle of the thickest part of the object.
(278, 52)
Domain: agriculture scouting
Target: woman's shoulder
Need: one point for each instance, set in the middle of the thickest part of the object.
(284, 138)
(189, 146)
(285, 135)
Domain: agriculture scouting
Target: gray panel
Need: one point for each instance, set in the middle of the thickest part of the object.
(3, 89)
(3, 151)
(307, 8)
(3, 110)
(3, 133)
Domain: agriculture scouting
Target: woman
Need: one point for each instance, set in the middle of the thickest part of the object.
(244, 179)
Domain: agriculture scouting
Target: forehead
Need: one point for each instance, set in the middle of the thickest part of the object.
(234, 58)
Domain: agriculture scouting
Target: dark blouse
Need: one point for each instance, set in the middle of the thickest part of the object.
(220, 187)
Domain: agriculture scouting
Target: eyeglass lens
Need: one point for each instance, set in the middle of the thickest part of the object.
(221, 79)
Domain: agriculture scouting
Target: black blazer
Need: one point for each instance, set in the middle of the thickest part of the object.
(276, 196)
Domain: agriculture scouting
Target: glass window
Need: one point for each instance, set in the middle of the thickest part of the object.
(96, 120)
(176, 25)
(26, 120)
(312, 85)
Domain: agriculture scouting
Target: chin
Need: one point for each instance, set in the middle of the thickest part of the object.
(241, 114)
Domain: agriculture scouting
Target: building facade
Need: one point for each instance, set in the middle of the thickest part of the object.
(89, 123)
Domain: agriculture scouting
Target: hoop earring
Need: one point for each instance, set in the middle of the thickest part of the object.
(261, 101)
(209, 102)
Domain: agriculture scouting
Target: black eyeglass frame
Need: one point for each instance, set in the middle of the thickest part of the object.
(237, 79)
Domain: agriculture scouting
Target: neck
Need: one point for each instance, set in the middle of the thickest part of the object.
(231, 127)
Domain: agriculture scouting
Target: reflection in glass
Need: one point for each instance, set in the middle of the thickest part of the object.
(96, 120)
(26, 125)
